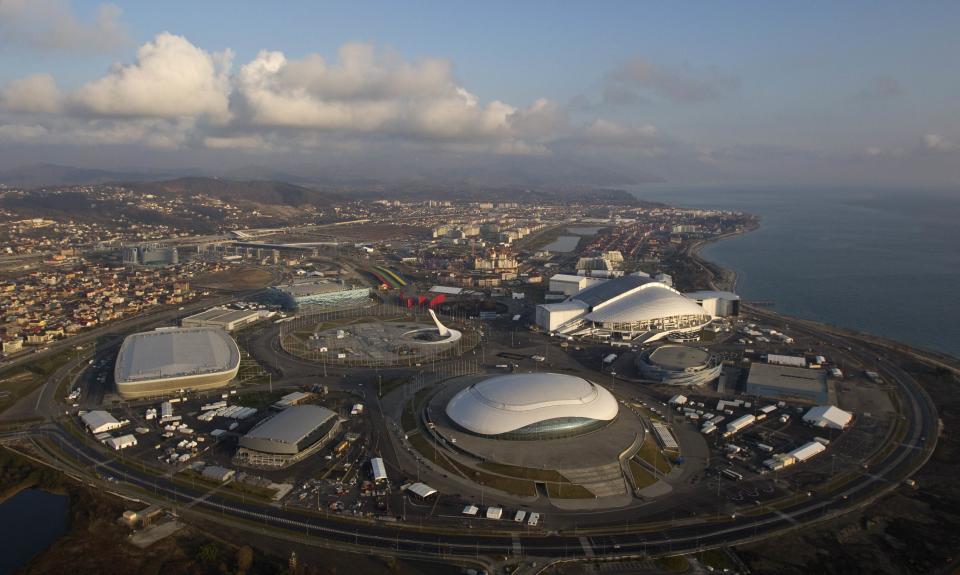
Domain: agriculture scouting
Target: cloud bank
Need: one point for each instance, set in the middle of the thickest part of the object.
(366, 100)
(175, 94)
(52, 25)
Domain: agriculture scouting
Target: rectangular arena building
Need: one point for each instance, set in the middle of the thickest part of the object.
(788, 383)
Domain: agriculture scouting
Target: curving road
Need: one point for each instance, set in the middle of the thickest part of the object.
(79, 458)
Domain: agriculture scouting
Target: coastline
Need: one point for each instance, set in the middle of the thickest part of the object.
(718, 277)
(722, 278)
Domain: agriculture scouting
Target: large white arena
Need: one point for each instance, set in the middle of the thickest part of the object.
(632, 308)
(532, 406)
(166, 360)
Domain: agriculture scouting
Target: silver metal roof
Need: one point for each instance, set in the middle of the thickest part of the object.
(292, 424)
(610, 289)
(222, 315)
(175, 352)
(678, 356)
(648, 301)
(797, 379)
(504, 403)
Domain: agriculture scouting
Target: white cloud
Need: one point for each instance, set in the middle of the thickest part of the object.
(22, 133)
(34, 94)
(170, 78)
(175, 94)
(936, 142)
(365, 91)
(52, 25)
(235, 142)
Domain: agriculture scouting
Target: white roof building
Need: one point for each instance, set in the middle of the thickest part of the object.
(163, 361)
(421, 490)
(828, 416)
(99, 421)
(808, 450)
(122, 442)
(532, 406)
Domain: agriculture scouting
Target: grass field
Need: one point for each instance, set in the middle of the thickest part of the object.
(506, 484)
(568, 491)
(641, 477)
(19, 381)
(524, 472)
(650, 452)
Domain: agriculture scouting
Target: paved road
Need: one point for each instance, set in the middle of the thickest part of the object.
(84, 459)
(689, 536)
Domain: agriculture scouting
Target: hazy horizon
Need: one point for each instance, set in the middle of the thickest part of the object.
(623, 93)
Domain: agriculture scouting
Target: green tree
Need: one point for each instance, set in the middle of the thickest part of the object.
(244, 559)
(208, 553)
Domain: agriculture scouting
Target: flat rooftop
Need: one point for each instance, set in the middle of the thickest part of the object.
(307, 288)
(786, 378)
(678, 357)
(175, 352)
(222, 315)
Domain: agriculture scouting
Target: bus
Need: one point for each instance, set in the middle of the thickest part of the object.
(732, 474)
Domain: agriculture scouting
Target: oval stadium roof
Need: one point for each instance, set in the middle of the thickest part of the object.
(505, 403)
(174, 353)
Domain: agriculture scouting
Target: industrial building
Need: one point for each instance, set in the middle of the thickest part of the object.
(788, 383)
(421, 490)
(633, 308)
(288, 437)
(217, 473)
(168, 360)
(569, 284)
(122, 442)
(717, 303)
(150, 255)
(222, 318)
(679, 365)
(828, 416)
(98, 421)
(531, 406)
(324, 293)
(291, 399)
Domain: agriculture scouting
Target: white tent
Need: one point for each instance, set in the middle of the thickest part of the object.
(828, 416)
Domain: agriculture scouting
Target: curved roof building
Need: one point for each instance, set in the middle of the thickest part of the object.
(287, 437)
(630, 307)
(532, 406)
(166, 360)
(679, 365)
(290, 431)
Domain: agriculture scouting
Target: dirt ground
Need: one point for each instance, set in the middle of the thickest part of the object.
(908, 531)
(240, 279)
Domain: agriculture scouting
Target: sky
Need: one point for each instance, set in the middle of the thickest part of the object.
(617, 92)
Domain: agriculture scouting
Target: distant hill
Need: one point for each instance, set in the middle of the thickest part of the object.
(255, 191)
(51, 175)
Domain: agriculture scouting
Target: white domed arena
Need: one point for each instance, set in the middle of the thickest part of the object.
(532, 406)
